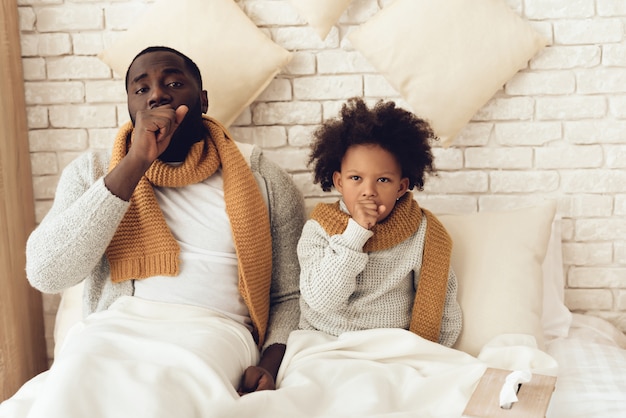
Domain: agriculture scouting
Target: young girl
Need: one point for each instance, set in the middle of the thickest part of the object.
(375, 259)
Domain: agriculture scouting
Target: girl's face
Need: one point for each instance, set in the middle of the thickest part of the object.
(370, 172)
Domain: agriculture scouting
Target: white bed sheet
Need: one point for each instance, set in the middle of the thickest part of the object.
(592, 371)
(139, 357)
(591, 376)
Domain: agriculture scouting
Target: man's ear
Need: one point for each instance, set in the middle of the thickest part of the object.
(337, 181)
(204, 101)
(404, 187)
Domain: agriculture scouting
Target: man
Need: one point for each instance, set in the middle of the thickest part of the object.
(178, 214)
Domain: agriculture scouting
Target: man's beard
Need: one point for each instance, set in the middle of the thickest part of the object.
(190, 131)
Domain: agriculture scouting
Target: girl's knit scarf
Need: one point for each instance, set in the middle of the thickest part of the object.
(403, 222)
(143, 246)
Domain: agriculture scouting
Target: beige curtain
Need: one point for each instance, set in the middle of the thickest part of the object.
(22, 342)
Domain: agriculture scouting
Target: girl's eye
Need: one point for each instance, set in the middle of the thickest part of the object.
(355, 178)
(383, 180)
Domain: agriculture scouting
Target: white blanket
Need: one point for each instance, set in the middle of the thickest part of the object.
(142, 363)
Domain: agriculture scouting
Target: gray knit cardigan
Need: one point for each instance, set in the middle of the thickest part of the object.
(69, 244)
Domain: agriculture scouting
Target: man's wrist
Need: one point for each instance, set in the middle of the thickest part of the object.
(272, 358)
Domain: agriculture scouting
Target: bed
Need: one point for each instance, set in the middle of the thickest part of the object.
(509, 265)
(520, 324)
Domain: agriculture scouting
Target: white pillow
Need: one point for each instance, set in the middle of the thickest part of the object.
(447, 58)
(556, 317)
(70, 312)
(321, 15)
(498, 257)
(236, 59)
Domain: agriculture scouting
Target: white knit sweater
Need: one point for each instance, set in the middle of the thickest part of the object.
(345, 289)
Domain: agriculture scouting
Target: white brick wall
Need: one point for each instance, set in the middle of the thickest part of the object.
(556, 129)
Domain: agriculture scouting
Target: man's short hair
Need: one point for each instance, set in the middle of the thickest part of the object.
(191, 66)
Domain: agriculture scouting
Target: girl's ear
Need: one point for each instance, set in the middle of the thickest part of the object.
(337, 181)
(404, 187)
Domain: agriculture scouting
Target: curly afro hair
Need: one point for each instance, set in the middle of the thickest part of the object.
(398, 131)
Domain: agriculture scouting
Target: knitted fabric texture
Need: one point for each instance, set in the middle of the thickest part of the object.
(143, 246)
(403, 222)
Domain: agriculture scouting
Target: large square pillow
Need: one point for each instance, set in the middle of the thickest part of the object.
(447, 58)
(498, 258)
(321, 15)
(236, 59)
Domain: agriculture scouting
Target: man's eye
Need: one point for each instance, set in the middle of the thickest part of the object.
(141, 90)
(175, 84)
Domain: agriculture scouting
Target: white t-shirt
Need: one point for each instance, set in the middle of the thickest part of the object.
(208, 276)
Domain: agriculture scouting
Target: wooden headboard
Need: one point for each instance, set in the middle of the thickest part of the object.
(22, 342)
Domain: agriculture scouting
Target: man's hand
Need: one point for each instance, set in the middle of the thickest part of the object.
(365, 212)
(153, 131)
(263, 376)
(152, 134)
(255, 378)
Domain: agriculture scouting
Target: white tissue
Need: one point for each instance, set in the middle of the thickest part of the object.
(508, 393)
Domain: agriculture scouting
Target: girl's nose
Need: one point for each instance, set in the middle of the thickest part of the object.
(369, 190)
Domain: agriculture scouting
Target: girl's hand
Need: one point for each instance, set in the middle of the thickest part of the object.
(366, 212)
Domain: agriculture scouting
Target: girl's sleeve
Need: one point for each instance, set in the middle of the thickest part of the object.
(330, 264)
(452, 320)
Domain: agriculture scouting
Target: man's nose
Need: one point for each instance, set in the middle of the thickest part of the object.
(158, 97)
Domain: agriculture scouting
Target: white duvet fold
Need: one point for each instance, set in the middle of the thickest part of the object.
(143, 359)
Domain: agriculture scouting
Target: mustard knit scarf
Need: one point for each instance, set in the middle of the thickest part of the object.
(403, 222)
(143, 246)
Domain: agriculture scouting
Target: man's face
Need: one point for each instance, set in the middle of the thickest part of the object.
(161, 78)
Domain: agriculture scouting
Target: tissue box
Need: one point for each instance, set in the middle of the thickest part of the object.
(533, 397)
